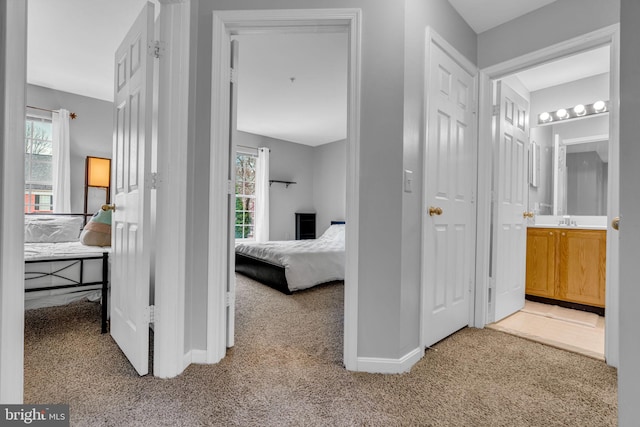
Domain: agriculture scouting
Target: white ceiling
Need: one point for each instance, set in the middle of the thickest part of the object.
(576, 67)
(294, 88)
(71, 45)
(482, 15)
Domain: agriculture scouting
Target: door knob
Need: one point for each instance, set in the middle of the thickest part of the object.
(434, 211)
(527, 214)
(616, 223)
(109, 207)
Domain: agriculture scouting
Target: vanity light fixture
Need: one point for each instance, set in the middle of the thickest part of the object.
(544, 117)
(562, 114)
(599, 106)
(579, 111)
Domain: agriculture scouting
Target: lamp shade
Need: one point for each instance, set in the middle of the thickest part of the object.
(98, 172)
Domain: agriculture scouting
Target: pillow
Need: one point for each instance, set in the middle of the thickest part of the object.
(334, 232)
(97, 232)
(51, 228)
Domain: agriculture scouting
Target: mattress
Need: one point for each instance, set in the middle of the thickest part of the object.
(306, 262)
(49, 265)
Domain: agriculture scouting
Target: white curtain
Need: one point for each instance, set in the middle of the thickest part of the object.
(262, 196)
(61, 162)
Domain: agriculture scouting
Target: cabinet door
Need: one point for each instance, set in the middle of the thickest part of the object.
(541, 262)
(583, 266)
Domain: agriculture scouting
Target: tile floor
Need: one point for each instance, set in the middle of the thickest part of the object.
(571, 330)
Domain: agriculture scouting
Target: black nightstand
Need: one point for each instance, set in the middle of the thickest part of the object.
(305, 226)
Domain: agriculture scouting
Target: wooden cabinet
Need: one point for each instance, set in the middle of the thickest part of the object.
(567, 265)
(305, 226)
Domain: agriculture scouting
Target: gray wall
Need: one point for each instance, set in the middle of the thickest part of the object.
(390, 129)
(320, 180)
(629, 297)
(554, 23)
(287, 162)
(329, 183)
(91, 134)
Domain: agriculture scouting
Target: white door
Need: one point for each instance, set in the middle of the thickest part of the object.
(510, 187)
(449, 206)
(130, 275)
(231, 199)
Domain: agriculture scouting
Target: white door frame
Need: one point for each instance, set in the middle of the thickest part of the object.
(432, 37)
(608, 35)
(169, 359)
(227, 23)
(13, 89)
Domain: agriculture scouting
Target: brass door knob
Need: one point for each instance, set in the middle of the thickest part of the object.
(616, 223)
(527, 214)
(109, 208)
(434, 211)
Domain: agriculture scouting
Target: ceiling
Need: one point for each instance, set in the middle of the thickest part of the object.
(72, 51)
(482, 15)
(576, 67)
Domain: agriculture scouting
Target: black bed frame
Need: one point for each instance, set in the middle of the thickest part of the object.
(75, 283)
(270, 274)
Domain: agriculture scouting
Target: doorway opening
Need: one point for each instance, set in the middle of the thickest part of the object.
(222, 236)
(288, 152)
(564, 225)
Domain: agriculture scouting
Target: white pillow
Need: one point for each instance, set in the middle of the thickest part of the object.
(334, 232)
(52, 229)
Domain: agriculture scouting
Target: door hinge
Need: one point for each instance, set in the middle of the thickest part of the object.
(150, 314)
(153, 181)
(495, 110)
(233, 75)
(156, 48)
(231, 187)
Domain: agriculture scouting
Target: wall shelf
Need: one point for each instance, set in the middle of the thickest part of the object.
(286, 183)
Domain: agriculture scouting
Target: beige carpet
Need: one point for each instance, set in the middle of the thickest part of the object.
(286, 370)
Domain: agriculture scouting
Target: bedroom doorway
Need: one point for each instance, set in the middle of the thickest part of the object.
(222, 235)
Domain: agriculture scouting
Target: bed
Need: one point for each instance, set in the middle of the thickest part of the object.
(293, 265)
(58, 268)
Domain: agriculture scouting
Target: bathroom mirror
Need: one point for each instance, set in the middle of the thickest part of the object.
(569, 168)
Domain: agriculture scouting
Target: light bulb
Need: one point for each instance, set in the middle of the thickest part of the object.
(580, 110)
(599, 106)
(544, 117)
(562, 113)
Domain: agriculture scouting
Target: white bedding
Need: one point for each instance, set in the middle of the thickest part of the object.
(307, 262)
(55, 269)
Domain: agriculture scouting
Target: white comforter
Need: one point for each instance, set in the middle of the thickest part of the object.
(47, 251)
(307, 262)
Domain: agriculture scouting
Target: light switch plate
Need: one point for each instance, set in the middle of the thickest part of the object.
(408, 181)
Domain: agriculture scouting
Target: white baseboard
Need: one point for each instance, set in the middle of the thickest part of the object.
(195, 356)
(378, 365)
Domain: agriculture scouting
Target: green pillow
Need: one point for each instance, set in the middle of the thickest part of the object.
(97, 232)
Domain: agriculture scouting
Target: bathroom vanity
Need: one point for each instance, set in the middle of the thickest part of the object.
(567, 263)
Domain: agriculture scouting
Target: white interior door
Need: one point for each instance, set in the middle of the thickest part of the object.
(231, 199)
(510, 172)
(131, 252)
(448, 239)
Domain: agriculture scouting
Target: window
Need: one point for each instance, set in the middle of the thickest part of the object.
(38, 165)
(245, 196)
